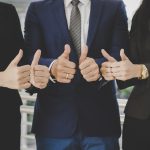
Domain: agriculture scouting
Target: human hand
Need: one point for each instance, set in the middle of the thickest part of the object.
(63, 69)
(106, 67)
(15, 77)
(125, 69)
(88, 67)
(39, 74)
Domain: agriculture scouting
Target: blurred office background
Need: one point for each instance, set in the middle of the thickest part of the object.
(27, 139)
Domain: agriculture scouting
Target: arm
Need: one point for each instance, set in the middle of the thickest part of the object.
(33, 37)
(120, 34)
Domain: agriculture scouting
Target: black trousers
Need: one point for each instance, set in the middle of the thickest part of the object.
(136, 134)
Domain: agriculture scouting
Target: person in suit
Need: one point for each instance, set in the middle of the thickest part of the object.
(13, 76)
(73, 112)
(135, 70)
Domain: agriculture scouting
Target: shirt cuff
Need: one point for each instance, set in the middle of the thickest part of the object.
(51, 78)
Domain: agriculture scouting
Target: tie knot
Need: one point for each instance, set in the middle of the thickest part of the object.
(75, 2)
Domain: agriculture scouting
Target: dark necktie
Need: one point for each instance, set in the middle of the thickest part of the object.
(75, 26)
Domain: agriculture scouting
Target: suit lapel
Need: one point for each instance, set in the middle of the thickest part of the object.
(97, 7)
(57, 8)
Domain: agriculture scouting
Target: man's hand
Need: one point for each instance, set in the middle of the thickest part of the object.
(64, 70)
(15, 77)
(89, 68)
(106, 68)
(39, 74)
(125, 69)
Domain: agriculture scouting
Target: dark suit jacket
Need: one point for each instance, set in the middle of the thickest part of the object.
(11, 40)
(60, 108)
(138, 105)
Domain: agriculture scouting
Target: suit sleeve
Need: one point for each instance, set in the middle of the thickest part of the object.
(120, 34)
(33, 37)
(34, 40)
(120, 37)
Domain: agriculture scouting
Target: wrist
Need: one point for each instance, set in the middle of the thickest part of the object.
(2, 79)
(138, 71)
(53, 69)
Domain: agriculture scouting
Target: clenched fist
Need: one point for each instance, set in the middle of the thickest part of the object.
(88, 67)
(63, 69)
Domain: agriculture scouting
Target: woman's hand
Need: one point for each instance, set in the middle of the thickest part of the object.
(15, 77)
(125, 69)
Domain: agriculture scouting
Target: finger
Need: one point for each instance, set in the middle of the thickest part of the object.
(17, 59)
(109, 78)
(123, 56)
(69, 64)
(41, 86)
(36, 58)
(93, 78)
(116, 64)
(107, 56)
(84, 53)
(64, 80)
(25, 80)
(66, 52)
(41, 74)
(107, 64)
(92, 74)
(41, 80)
(67, 76)
(69, 70)
(25, 86)
(86, 63)
(24, 75)
(25, 68)
(91, 68)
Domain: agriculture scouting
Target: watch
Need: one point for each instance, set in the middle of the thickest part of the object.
(144, 73)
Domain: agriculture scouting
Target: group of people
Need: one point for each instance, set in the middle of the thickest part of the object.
(71, 54)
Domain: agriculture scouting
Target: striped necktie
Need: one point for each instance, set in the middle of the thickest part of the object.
(75, 26)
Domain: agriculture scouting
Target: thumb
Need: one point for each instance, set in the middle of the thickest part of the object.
(123, 55)
(36, 58)
(17, 59)
(84, 54)
(107, 56)
(66, 52)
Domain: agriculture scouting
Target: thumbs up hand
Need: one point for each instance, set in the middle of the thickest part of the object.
(125, 69)
(106, 68)
(88, 67)
(15, 77)
(63, 69)
(39, 76)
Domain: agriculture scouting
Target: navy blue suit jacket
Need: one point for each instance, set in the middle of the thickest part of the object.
(61, 108)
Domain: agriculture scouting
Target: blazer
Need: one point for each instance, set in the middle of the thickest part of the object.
(11, 40)
(138, 105)
(61, 108)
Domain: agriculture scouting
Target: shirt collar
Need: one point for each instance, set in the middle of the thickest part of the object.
(68, 2)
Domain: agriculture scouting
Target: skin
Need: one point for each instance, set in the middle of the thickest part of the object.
(39, 74)
(88, 67)
(15, 77)
(122, 70)
(64, 70)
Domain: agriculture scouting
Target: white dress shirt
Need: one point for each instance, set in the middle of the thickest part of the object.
(85, 9)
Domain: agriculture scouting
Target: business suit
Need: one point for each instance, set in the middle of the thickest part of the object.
(11, 41)
(136, 133)
(59, 110)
